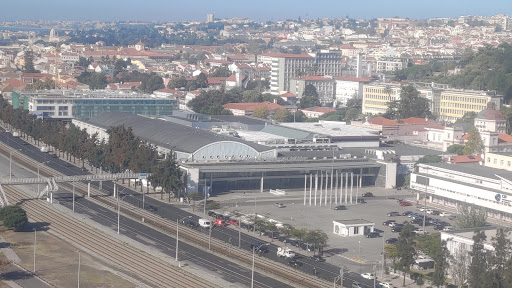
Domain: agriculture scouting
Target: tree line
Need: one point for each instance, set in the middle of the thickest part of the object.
(122, 152)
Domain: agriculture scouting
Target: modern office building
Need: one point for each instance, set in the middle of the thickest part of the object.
(349, 87)
(285, 67)
(377, 96)
(63, 105)
(470, 184)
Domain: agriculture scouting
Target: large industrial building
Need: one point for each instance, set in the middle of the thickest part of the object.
(217, 162)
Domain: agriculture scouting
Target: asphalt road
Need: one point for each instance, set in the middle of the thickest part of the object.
(320, 269)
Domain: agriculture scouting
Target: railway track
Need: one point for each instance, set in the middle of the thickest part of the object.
(194, 237)
(146, 266)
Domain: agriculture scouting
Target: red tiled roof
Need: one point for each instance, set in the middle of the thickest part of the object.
(465, 159)
(382, 121)
(233, 78)
(353, 79)
(253, 106)
(288, 94)
(218, 61)
(215, 80)
(415, 120)
(465, 137)
(14, 82)
(167, 90)
(490, 114)
(505, 138)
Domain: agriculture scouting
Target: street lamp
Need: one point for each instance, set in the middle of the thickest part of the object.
(177, 235)
(78, 268)
(253, 253)
(118, 208)
(39, 164)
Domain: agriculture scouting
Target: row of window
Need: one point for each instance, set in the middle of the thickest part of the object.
(464, 99)
(474, 197)
(502, 162)
(463, 105)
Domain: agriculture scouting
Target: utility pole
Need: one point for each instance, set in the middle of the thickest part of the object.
(118, 216)
(210, 238)
(73, 196)
(78, 268)
(35, 241)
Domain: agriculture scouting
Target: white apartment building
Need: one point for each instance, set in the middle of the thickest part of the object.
(52, 105)
(454, 185)
(325, 87)
(69, 57)
(286, 67)
(349, 87)
(389, 64)
(440, 138)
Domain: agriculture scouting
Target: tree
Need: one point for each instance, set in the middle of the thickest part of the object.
(84, 62)
(201, 80)
(28, 59)
(390, 251)
(169, 176)
(309, 97)
(428, 159)
(316, 237)
(406, 251)
(220, 72)
(13, 217)
(411, 104)
(474, 143)
(194, 196)
(460, 262)
(177, 83)
(251, 96)
(471, 216)
(47, 84)
(455, 149)
(154, 82)
(261, 112)
(299, 234)
(282, 115)
(479, 262)
(499, 257)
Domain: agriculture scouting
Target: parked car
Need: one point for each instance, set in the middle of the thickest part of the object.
(385, 285)
(391, 241)
(439, 227)
(392, 214)
(419, 231)
(212, 214)
(414, 215)
(191, 224)
(445, 214)
(435, 212)
(361, 201)
(233, 222)
(152, 208)
(406, 213)
(447, 228)
(281, 238)
(372, 235)
(279, 205)
(393, 224)
(398, 225)
(422, 208)
(340, 207)
(405, 203)
(54, 155)
(308, 247)
(368, 194)
(356, 284)
(397, 229)
(387, 222)
(220, 222)
(369, 276)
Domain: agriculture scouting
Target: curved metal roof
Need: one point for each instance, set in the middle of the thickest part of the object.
(167, 134)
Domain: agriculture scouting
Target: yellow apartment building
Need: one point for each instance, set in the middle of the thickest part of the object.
(453, 104)
(499, 160)
(377, 96)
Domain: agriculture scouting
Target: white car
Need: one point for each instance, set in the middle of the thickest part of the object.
(369, 276)
(386, 285)
(430, 211)
(419, 231)
(445, 214)
(447, 228)
(422, 209)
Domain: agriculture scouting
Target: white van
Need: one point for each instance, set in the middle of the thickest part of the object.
(205, 223)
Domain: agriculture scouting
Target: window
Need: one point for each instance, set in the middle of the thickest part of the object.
(501, 162)
(495, 161)
(508, 163)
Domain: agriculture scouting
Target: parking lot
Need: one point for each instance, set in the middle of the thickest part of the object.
(355, 252)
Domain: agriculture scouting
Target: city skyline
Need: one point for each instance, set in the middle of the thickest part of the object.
(159, 10)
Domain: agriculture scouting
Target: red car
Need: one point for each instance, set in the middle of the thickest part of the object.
(405, 203)
(233, 222)
(220, 222)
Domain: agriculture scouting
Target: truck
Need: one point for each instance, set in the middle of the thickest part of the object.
(205, 223)
(285, 252)
(44, 149)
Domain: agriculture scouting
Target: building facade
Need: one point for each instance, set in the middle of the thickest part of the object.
(286, 67)
(453, 104)
(499, 160)
(325, 87)
(377, 96)
(349, 87)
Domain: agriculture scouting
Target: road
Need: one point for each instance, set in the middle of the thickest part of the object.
(323, 270)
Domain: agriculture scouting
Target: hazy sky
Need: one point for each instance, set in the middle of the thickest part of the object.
(260, 10)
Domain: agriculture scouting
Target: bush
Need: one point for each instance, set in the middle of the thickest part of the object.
(13, 217)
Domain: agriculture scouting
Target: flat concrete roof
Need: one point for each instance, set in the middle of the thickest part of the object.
(354, 222)
(333, 129)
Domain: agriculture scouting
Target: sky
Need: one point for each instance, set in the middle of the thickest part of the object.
(259, 10)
